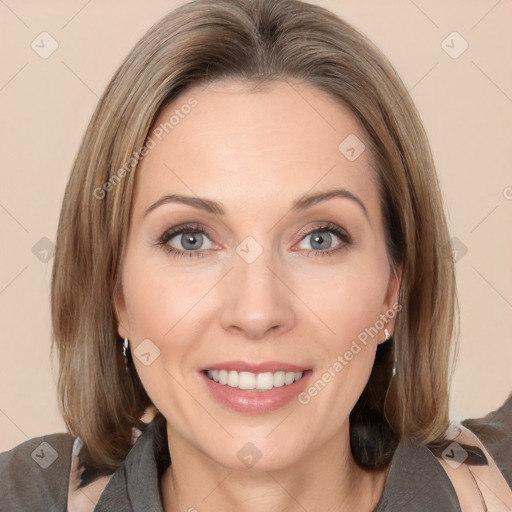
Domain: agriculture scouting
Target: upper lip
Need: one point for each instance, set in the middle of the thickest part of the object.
(265, 366)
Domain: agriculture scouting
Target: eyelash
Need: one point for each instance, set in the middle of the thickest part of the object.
(196, 228)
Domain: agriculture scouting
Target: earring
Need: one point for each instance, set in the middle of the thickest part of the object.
(126, 350)
(388, 336)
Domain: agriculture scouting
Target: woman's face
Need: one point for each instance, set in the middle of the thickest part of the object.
(263, 284)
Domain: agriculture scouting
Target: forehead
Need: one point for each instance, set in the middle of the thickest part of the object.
(228, 142)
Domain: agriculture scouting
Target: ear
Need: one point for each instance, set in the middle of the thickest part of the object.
(391, 307)
(121, 314)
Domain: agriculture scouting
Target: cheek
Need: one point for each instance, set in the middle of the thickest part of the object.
(158, 297)
(169, 307)
(160, 308)
(347, 300)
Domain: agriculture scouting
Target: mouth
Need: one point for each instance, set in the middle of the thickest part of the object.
(250, 381)
(252, 388)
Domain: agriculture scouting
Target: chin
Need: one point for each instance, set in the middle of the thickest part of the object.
(253, 453)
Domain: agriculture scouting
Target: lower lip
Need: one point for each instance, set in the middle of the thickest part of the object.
(254, 401)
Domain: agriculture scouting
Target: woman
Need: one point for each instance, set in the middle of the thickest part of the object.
(251, 297)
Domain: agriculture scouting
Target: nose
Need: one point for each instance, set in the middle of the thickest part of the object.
(256, 300)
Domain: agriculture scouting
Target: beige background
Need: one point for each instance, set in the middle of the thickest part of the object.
(466, 105)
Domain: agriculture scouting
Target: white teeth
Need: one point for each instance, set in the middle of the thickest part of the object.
(265, 381)
(223, 376)
(232, 379)
(279, 379)
(248, 380)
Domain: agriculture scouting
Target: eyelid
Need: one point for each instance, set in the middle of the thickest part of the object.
(324, 226)
(184, 227)
(176, 230)
(195, 227)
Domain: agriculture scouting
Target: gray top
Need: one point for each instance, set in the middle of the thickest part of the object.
(35, 477)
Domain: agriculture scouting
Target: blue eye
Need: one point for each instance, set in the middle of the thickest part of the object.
(321, 239)
(190, 240)
(192, 237)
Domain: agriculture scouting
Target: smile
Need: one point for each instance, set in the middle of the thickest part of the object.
(254, 381)
(257, 391)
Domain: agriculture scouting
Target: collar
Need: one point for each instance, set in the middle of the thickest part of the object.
(416, 481)
(135, 485)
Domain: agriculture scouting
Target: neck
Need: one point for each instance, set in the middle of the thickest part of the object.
(329, 480)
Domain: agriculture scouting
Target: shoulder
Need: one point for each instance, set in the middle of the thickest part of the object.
(495, 432)
(474, 475)
(467, 472)
(478, 461)
(34, 475)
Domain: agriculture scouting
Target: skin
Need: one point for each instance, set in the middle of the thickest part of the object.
(255, 153)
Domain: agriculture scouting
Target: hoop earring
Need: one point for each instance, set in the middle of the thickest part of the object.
(126, 351)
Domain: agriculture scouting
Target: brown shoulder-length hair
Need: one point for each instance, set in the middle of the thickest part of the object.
(256, 41)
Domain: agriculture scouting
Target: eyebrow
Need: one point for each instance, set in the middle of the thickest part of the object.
(216, 208)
